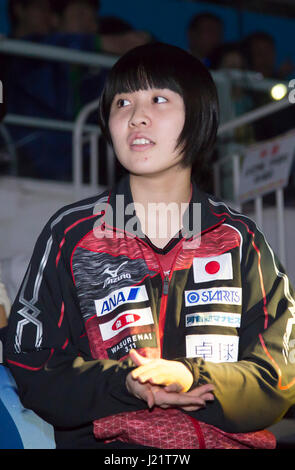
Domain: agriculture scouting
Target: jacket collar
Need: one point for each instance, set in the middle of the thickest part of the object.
(121, 214)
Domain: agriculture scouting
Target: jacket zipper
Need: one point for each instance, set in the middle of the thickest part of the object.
(163, 307)
(164, 297)
(166, 285)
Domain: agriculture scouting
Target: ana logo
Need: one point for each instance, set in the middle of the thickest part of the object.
(124, 320)
(113, 275)
(217, 295)
(120, 297)
(213, 268)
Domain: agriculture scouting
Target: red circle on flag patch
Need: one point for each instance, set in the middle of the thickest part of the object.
(212, 267)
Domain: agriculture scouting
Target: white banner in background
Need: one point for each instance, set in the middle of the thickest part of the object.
(266, 167)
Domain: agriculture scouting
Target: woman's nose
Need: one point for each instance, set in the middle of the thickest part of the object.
(139, 117)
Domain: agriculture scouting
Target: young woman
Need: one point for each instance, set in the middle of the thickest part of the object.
(153, 315)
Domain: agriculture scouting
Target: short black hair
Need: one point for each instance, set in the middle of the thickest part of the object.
(113, 25)
(160, 65)
(197, 19)
(249, 42)
(59, 6)
(11, 5)
(260, 36)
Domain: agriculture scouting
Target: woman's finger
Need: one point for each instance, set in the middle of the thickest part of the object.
(137, 358)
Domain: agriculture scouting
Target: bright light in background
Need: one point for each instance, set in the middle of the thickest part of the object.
(278, 91)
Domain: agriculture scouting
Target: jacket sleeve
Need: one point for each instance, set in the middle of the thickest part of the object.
(258, 389)
(47, 350)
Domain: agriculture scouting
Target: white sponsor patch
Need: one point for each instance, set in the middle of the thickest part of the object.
(213, 318)
(136, 317)
(213, 268)
(213, 348)
(122, 296)
(216, 295)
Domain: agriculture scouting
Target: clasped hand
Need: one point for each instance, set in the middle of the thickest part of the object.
(165, 384)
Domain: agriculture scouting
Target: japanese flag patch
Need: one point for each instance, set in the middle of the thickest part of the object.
(213, 268)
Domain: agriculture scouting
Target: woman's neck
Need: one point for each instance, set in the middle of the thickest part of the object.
(166, 189)
(160, 202)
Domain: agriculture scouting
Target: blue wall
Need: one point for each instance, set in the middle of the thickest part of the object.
(168, 20)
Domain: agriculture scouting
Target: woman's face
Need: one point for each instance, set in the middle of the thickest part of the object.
(144, 127)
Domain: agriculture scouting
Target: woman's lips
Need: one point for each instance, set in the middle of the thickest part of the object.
(141, 147)
(140, 142)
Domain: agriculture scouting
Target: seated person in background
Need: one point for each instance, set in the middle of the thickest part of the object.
(81, 17)
(229, 57)
(53, 89)
(30, 18)
(135, 329)
(205, 34)
(260, 50)
(35, 19)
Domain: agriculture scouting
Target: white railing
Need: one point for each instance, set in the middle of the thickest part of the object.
(34, 50)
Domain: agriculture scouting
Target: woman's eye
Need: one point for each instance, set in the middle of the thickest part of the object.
(122, 102)
(159, 99)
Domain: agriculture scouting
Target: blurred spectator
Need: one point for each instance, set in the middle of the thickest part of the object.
(56, 90)
(30, 17)
(77, 16)
(205, 34)
(113, 25)
(230, 57)
(81, 17)
(260, 50)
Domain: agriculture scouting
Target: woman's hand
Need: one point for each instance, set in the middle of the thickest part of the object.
(189, 401)
(141, 391)
(161, 372)
(168, 397)
(165, 383)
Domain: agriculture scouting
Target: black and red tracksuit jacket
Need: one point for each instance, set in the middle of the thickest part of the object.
(94, 289)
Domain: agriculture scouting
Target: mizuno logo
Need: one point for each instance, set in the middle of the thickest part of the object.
(114, 276)
(114, 272)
